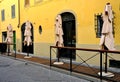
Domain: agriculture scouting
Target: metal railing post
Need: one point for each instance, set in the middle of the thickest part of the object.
(50, 57)
(71, 61)
(105, 62)
(15, 50)
(101, 66)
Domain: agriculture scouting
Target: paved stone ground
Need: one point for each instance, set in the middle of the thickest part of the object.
(12, 70)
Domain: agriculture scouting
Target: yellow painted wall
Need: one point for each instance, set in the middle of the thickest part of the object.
(44, 14)
(6, 5)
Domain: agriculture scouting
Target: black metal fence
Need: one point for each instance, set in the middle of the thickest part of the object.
(100, 53)
(5, 47)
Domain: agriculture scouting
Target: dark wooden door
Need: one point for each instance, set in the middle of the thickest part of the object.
(68, 25)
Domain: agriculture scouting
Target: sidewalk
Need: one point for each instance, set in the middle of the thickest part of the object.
(85, 71)
(15, 70)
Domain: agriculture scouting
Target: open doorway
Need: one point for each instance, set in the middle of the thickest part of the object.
(69, 29)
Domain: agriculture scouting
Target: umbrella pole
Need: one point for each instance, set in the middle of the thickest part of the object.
(58, 55)
(106, 73)
(105, 48)
(27, 53)
(8, 49)
(27, 50)
(58, 58)
(106, 62)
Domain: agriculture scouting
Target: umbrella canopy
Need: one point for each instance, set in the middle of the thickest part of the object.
(9, 38)
(59, 31)
(107, 29)
(27, 34)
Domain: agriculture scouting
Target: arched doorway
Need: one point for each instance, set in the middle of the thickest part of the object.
(69, 29)
(24, 47)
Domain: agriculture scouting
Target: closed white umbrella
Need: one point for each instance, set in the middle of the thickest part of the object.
(27, 34)
(107, 29)
(59, 32)
(9, 38)
(27, 39)
(59, 36)
(107, 40)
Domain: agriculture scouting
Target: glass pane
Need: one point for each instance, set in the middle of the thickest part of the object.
(13, 11)
(3, 15)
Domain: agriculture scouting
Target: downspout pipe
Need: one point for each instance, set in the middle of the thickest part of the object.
(18, 13)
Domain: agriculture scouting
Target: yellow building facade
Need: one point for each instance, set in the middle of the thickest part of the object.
(78, 19)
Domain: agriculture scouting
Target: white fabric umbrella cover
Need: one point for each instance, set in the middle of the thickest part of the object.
(107, 29)
(59, 32)
(9, 38)
(27, 34)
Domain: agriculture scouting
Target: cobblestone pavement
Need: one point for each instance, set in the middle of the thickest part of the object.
(12, 70)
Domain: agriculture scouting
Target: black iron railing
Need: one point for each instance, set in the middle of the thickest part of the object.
(5, 47)
(90, 50)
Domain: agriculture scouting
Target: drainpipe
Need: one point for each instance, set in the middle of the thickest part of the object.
(18, 13)
(0, 21)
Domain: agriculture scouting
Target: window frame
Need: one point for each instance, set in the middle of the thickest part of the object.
(3, 15)
(98, 25)
(13, 11)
